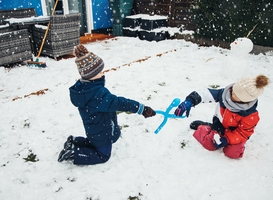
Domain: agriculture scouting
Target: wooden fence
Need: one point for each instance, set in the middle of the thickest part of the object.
(178, 11)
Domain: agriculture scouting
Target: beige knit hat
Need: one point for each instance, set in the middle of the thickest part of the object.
(89, 64)
(248, 89)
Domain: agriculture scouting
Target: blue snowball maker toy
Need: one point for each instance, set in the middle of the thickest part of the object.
(167, 114)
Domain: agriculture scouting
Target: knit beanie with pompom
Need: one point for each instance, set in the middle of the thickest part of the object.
(89, 64)
(248, 89)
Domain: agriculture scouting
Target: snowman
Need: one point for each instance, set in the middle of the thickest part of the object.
(237, 65)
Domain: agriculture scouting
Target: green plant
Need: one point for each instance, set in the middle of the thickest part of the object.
(71, 179)
(162, 84)
(124, 126)
(26, 123)
(31, 158)
(135, 197)
(214, 86)
(183, 144)
(118, 112)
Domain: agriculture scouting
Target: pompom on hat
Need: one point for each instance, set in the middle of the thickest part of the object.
(248, 89)
(89, 65)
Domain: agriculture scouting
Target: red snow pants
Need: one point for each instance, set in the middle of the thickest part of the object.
(205, 136)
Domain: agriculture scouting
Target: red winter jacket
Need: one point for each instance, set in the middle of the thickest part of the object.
(244, 125)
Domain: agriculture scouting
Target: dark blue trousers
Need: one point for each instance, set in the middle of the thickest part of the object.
(87, 154)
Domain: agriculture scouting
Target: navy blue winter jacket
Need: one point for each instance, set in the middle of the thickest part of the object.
(97, 108)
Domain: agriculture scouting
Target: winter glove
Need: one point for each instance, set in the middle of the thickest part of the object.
(224, 142)
(184, 106)
(148, 112)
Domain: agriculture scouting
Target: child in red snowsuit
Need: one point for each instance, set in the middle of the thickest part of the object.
(235, 117)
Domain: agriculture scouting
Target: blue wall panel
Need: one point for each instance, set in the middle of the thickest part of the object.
(101, 14)
(13, 4)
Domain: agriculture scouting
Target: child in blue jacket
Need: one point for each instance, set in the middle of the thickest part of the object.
(97, 108)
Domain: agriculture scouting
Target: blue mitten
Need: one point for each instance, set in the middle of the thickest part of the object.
(184, 106)
(224, 142)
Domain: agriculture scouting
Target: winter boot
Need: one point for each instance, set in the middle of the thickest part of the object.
(68, 151)
(66, 154)
(69, 142)
(194, 125)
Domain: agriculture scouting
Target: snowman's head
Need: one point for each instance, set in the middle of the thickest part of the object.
(241, 46)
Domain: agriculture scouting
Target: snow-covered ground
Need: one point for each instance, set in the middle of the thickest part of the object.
(143, 165)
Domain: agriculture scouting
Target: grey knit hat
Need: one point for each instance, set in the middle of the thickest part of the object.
(88, 63)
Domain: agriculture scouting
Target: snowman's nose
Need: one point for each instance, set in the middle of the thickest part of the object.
(235, 42)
